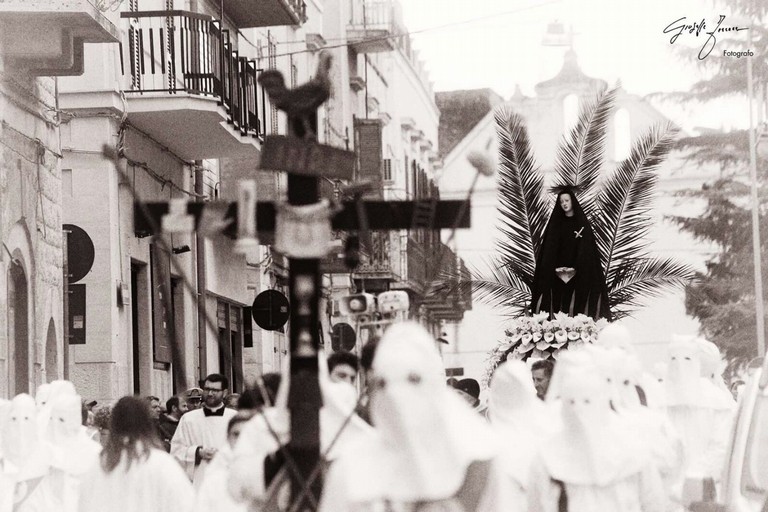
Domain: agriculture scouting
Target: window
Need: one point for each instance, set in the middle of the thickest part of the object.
(570, 111)
(230, 343)
(387, 169)
(622, 144)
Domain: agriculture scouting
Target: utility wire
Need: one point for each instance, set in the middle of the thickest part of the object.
(347, 43)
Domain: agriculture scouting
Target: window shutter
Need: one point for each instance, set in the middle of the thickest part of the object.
(388, 170)
(369, 149)
(162, 308)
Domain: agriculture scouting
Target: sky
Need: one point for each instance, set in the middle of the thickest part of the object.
(469, 44)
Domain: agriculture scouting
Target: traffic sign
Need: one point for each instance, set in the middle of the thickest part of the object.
(343, 337)
(80, 252)
(270, 310)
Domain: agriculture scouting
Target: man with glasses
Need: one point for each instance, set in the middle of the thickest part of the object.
(203, 431)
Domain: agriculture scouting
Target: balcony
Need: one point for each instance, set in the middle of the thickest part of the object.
(376, 264)
(265, 13)
(187, 87)
(413, 259)
(442, 291)
(46, 37)
(374, 26)
(451, 294)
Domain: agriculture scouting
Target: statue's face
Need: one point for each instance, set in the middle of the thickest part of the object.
(566, 204)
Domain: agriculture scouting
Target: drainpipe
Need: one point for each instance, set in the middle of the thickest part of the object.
(201, 282)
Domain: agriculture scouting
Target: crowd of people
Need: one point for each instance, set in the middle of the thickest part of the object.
(591, 432)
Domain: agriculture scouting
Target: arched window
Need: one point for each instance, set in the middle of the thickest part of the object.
(18, 326)
(622, 143)
(570, 111)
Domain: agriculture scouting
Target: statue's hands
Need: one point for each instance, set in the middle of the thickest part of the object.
(565, 273)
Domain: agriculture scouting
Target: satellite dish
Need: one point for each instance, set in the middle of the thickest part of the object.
(270, 310)
(80, 252)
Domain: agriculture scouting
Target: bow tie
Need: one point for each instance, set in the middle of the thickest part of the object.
(217, 412)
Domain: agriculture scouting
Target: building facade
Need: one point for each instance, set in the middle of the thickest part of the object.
(168, 109)
(32, 329)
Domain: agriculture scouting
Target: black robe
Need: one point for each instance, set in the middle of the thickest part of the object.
(569, 242)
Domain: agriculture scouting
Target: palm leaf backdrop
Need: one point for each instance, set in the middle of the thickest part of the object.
(521, 200)
(580, 154)
(618, 206)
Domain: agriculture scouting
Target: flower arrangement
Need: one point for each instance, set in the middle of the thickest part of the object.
(540, 338)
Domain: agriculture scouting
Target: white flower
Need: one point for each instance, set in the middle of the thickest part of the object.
(522, 349)
(561, 336)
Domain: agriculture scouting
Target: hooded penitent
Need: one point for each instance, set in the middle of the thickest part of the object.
(72, 450)
(659, 436)
(712, 366)
(519, 418)
(46, 395)
(568, 242)
(428, 443)
(617, 336)
(597, 460)
(702, 421)
(585, 451)
(24, 465)
(263, 435)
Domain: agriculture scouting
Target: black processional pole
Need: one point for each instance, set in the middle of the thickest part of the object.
(304, 400)
(303, 229)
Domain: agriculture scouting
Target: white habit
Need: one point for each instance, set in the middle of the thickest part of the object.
(156, 484)
(197, 430)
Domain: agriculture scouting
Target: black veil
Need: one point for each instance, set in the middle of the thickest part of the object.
(569, 242)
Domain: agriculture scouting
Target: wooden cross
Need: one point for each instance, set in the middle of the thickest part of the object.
(306, 161)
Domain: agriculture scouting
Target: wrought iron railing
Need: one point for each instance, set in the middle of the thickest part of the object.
(186, 52)
(300, 8)
(377, 258)
(373, 15)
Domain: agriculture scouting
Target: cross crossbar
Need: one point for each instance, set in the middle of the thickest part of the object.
(382, 216)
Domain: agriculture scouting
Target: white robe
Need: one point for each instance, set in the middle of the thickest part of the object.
(156, 484)
(212, 495)
(639, 492)
(197, 430)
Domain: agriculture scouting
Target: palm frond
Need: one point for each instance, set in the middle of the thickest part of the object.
(637, 278)
(521, 207)
(580, 153)
(624, 201)
(497, 285)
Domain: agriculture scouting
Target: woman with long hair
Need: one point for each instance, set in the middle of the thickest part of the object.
(135, 474)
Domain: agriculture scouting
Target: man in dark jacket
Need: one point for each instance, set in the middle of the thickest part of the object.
(175, 407)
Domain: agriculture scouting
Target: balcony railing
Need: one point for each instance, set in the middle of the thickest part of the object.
(265, 13)
(378, 259)
(373, 26)
(177, 52)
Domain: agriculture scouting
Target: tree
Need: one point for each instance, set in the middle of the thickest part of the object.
(723, 297)
(618, 210)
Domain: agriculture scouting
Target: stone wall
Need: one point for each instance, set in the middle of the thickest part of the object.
(30, 222)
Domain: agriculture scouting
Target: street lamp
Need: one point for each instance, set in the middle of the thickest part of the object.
(759, 306)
